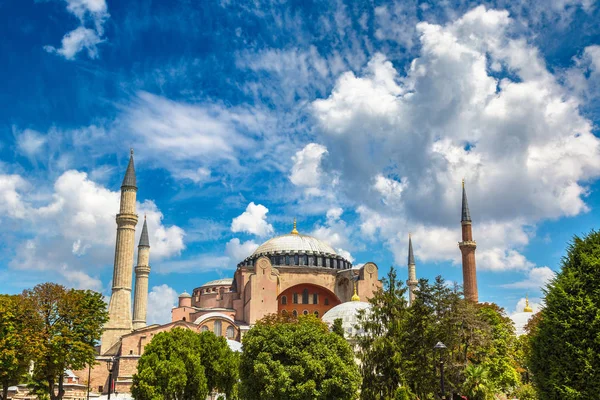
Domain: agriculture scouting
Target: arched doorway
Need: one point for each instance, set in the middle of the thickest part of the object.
(313, 299)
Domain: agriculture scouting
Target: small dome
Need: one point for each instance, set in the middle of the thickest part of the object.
(219, 282)
(294, 242)
(185, 294)
(234, 345)
(348, 313)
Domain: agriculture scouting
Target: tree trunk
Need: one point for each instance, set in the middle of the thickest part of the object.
(61, 390)
(51, 389)
(4, 390)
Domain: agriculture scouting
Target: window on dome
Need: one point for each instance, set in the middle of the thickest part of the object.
(302, 260)
(230, 332)
(315, 298)
(326, 301)
(319, 261)
(283, 300)
(305, 312)
(305, 296)
(204, 328)
(287, 260)
(296, 260)
(217, 328)
(327, 262)
(295, 298)
(311, 260)
(305, 259)
(335, 264)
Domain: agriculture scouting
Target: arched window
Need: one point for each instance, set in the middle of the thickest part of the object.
(327, 262)
(305, 312)
(183, 319)
(319, 261)
(217, 328)
(305, 296)
(302, 260)
(295, 313)
(315, 298)
(311, 260)
(295, 298)
(326, 301)
(287, 260)
(230, 333)
(296, 260)
(204, 328)
(283, 312)
(317, 314)
(305, 260)
(283, 300)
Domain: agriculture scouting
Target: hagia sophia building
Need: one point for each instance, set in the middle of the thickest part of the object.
(292, 273)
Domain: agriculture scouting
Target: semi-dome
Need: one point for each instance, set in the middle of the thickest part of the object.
(219, 282)
(297, 250)
(348, 313)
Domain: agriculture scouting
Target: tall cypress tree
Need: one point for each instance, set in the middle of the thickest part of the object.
(565, 346)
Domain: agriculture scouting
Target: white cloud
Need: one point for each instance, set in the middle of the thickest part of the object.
(522, 145)
(253, 220)
(161, 299)
(82, 37)
(79, 39)
(238, 251)
(11, 203)
(30, 142)
(74, 233)
(200, 175)
(536, 279)
(335, 232)
(306, 171)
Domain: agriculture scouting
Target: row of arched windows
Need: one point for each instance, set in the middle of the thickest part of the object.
(217, 330)
(295, 313)
(305, 298)
(305, 259)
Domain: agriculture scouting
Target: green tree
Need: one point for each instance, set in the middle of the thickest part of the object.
(288, 359)
(337, 327)
(71, 325)
(382, 345)
(565, 346)
(171, 368)
(478, 385)
(19, 339)
(220, 363)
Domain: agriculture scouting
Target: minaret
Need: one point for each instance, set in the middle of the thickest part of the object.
(467, 248)
(412, 273)
(119, 308)
(142, 270)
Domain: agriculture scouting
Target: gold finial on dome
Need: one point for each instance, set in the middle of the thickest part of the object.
(294, 231)
(355, 296)
(527, 307)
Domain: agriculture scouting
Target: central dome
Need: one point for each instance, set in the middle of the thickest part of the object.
(294, 242)
(296, 250)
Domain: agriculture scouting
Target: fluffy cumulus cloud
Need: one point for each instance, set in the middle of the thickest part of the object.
(91, 13)
(306, 171)
(74, 231)
(253, 221)
(161, 300)
(477, 103)
(335, 232)
(238, 251)
(536, 279)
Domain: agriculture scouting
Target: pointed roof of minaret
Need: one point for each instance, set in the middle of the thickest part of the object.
(411, 256)
(129, 179)
(144, 240)
(466, 215)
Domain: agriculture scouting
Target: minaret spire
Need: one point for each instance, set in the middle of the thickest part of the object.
(142, 271)
(412, 272)
(119, 308)
(294, 231)
(467, 248)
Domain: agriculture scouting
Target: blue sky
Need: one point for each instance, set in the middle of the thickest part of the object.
(358, 118)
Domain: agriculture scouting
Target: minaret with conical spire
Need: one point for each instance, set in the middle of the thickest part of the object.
(119, 308)
(142, 270)
(467, 248)
(412, 273)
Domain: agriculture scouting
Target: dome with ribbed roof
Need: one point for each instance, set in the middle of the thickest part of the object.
(294, 242)
(295, 249)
